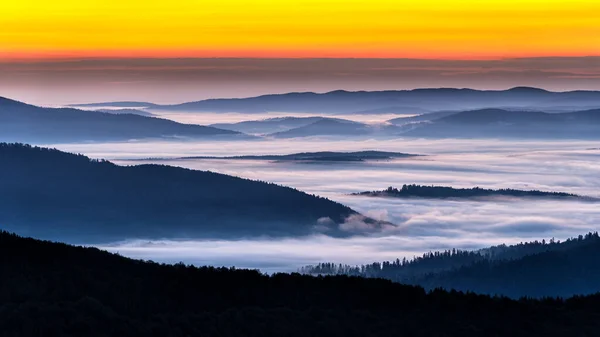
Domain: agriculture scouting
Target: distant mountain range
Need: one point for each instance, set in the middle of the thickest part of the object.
(323, 156)
(20, 122)
(53, 194)
(535, 269)
(460, 116)
(444, 192)
(400, 101)
(119, 104)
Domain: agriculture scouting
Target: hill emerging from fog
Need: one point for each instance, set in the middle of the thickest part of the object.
(20, 122)
(323, 156)
(409, 101)
(53, 194)
(426, 117)
(339, 128)
(76, 291)
(126, 111)
(444, 192)
(269, 125)
(121, 104)
(500, 123)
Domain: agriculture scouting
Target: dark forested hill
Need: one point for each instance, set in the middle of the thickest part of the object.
(52, 289)
(48, 193)
(534, 269)
(443, 192)
(20, 122)
(554, 272)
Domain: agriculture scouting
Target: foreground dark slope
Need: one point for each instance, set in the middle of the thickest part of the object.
(51, 289)
(52, 194)
(429, 99)
(554, 272)
(534, 269)
(27, 123)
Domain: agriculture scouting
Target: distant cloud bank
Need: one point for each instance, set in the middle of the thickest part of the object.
(67, 81)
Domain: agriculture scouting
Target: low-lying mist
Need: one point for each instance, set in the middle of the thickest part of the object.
(422, 224)
(206, 118)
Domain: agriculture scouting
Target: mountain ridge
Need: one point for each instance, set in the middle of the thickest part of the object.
(353, 101)
(97, 200)
(29, 123)
(532, 269)
(83, 291)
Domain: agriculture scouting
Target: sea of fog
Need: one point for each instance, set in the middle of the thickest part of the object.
(423, 225)
(206, 118)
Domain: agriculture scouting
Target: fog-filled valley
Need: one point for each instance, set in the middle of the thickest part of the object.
(311, 168)
(420, 225)
(146, 203)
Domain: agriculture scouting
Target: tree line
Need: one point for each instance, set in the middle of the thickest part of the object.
(54, 289)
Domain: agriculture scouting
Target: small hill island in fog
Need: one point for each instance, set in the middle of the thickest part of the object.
(444, 192)
(323, 156)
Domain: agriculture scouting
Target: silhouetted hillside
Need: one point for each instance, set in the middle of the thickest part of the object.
(126, 111)
(269, 125)
(341, 101)
(338, 127)
(52, 289)
(326, 127)
(556, 272)
(395, 110)
(326, 156)
(52, 194)
(426, 117)
(122, 104)
(27, 123)
(534, 269)
(422, 191)
(513, 123)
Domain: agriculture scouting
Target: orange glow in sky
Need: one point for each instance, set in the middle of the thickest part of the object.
(454, 29)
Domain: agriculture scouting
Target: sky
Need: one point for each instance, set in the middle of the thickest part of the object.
(439, 29)
(54, 82)
(72, 51)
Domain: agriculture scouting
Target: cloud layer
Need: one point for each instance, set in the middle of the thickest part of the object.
(422, 224)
